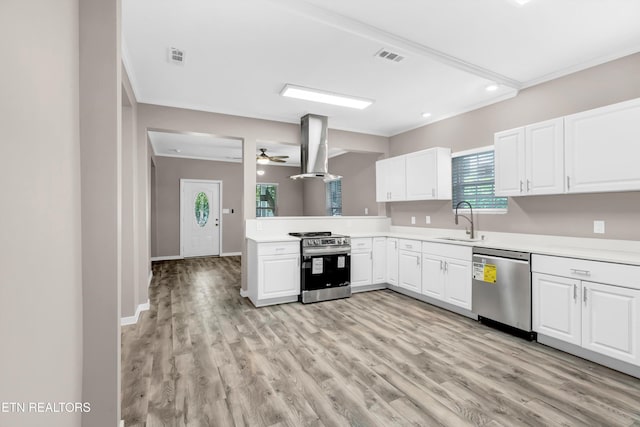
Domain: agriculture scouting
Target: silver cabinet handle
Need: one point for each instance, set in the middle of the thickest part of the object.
(521, 186)
(371, 255)
(528, 186)
(575, 292)
(568, 183)
(440, 264)
(584, 295)
(433, 192)
(395, 244)
(446, 266)
(581, 272)
(417, 260)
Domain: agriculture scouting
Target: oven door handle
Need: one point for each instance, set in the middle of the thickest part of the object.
(326, 251)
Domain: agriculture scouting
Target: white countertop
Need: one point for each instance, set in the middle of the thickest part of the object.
(616, 251)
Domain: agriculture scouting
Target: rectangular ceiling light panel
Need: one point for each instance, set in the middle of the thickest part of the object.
(324, 97)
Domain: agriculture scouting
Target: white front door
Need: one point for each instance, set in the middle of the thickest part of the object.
(200, 217)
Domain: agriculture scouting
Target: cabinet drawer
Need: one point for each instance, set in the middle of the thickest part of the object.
(278, 248)
(460, 252)
(592, 271)
(361, 243)
(410, 245)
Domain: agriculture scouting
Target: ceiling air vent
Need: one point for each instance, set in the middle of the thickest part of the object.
(390, 56)
(176, 56)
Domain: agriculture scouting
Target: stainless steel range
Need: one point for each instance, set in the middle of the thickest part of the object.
(325, 270)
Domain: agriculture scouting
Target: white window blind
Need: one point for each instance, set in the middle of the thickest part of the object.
(334, 197)
(473, 180)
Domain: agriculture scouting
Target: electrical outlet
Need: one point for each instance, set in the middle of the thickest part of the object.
(598, 227)
(366, 211)
(427, 219)
(413, 220)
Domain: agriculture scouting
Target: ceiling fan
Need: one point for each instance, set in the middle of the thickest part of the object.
(263, 158)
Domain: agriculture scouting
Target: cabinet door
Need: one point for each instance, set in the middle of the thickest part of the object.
(360, 268)
(409, 276)
(422, 175)
(278, 276)
(379, 260)
(602, 148)
(545, 157)
(396, 178)
(510, 162)
(382, 185)
(610, 323)
(433, 276)
(392, 262)
(556, 307)
(457, 282)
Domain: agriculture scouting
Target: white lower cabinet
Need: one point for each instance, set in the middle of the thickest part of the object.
(360, 268)
(410, 272)
(379, 256)
(610, 321)
(446, 273)
(391, 262)
(556, 307)
(273, 272)
(601, 317)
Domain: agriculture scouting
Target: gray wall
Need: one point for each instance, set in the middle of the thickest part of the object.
(570, 215)
(169, 172)
(289, 191)
(101, 190)
(40, 254)
(358, 171)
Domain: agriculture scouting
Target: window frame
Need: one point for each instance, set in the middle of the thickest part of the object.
(275, 208)
(327, 190)
(490, 211)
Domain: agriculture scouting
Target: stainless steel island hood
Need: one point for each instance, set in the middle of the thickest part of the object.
(314, 150)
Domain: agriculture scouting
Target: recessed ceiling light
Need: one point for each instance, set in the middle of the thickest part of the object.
(522, 2)
(325, 97)
(492, 87)
(426, 115)
(260, 172)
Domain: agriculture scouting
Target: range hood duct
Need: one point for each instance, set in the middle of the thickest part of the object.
(314, 149)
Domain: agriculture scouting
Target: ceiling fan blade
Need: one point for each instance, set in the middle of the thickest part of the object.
(278, 161)
(278, 157)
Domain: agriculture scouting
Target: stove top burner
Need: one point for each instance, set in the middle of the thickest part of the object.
(311, 234)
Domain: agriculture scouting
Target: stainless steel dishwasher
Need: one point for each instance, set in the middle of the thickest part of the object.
(501, 289)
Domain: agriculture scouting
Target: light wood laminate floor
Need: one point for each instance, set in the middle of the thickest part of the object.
(204, 356)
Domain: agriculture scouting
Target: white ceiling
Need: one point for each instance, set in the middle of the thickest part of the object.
(210, 147)
(240, 53)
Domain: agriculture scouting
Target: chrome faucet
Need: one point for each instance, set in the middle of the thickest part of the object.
(472, 233)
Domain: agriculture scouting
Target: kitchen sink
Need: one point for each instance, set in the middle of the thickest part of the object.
(459, 239)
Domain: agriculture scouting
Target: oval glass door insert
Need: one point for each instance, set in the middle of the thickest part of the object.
(202, 209)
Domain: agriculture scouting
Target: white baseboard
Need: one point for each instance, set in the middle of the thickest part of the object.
(132, 320)
(244, 293)
(166, 258)
(231, 254)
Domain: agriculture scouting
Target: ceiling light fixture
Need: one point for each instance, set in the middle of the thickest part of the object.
(426, 115)
(263, 161)
(316, 95)
(492, 87)
(260, 172)
(522, 2)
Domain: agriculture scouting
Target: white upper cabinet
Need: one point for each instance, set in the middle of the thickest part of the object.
(428, 174)
(530, 160)
(509, 162)
(390, 179)
(602, 148)
(423, 175)
(544, 152)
